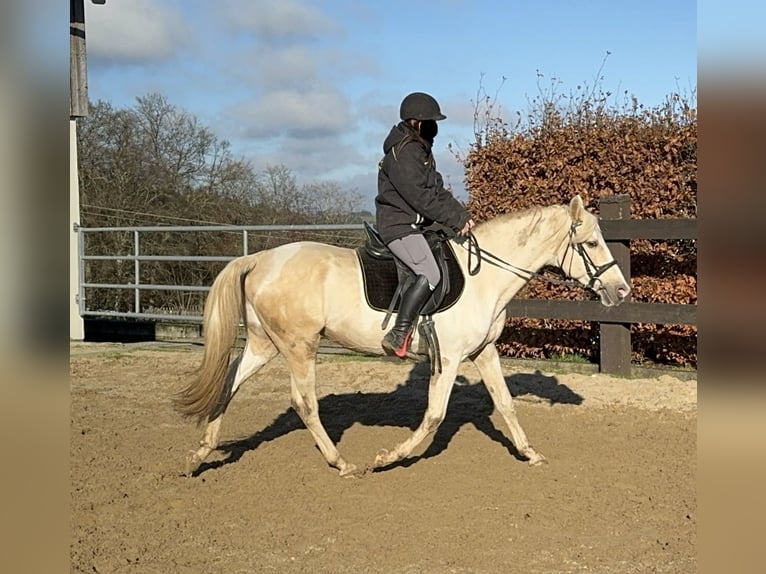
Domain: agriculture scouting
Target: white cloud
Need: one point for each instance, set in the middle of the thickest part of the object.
(291, 67)
(138, 31)
(276, 21)
(287, 54)
(319, 112)
(318, 159)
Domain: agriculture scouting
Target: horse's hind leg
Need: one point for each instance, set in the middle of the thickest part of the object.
(439, 390)
(488, 364)
(301, 359)
(258, 351)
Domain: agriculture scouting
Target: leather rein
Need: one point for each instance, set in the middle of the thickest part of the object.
(594, 271)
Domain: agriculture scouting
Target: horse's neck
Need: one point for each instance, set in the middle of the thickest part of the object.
(523, 243)
(528, 239)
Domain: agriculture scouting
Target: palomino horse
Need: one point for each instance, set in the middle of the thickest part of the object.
(292, 295)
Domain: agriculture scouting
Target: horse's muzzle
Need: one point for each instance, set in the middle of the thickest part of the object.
(613, 295)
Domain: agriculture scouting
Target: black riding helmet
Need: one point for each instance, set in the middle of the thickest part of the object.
(420, 106)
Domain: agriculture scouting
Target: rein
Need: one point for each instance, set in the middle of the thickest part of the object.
(594, 271)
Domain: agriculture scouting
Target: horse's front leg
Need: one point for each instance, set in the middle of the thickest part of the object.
(488, 364)
(439, 390)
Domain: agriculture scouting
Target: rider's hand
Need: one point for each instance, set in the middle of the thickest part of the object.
(467, 227)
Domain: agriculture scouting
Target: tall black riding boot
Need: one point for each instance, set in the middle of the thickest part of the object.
(397, 340)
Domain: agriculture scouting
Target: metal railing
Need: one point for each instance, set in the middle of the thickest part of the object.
(137, 287)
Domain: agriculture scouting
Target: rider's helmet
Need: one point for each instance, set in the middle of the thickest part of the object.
(420, 106)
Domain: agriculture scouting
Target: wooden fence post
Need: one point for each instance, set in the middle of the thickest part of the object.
(614, 338)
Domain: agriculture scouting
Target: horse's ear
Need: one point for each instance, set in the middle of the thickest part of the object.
(576, 208)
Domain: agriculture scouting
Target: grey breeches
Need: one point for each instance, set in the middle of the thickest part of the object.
(414, 252)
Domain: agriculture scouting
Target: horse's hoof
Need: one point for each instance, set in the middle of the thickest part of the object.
(192, 463)
(537, 459)
(384, 458)
(349, 471)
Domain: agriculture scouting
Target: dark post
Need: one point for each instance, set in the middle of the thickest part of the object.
(615, 337)
(78, 71)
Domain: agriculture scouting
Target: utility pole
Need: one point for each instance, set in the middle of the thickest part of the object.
(78, 108)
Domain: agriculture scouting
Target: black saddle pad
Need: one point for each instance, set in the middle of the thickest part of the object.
(380, 280)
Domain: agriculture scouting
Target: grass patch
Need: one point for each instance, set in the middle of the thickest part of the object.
(569, 358)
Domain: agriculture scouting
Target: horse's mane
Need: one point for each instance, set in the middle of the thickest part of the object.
(551, 220)
(536, 213)
(519, 214)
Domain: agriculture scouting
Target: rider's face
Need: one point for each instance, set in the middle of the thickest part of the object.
(428, 129)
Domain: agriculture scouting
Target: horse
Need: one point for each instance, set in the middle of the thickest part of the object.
(290, 296)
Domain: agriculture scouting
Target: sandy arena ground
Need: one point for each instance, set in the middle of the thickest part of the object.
(617, 496)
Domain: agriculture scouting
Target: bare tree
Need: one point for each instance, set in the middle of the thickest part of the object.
(156, 164)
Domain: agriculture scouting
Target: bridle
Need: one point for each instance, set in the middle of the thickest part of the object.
(593, 271)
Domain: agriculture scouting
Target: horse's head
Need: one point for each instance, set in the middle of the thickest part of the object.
(586, 258)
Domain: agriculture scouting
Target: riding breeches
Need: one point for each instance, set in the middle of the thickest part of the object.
(414, 252)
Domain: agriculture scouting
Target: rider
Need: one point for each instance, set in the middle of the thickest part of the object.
(411, 195)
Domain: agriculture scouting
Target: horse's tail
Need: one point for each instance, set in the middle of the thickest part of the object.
(205, 396)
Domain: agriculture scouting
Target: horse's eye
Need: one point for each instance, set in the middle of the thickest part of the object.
(591, 244)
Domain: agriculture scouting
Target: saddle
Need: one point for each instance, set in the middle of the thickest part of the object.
(385, 277)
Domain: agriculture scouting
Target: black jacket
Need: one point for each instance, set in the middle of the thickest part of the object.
(411, 192)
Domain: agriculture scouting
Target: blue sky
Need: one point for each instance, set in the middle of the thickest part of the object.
(316, 85)
(730, 34)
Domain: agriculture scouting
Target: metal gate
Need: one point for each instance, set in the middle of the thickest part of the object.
(136, 257)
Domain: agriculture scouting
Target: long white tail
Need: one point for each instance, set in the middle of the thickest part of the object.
(224, 308)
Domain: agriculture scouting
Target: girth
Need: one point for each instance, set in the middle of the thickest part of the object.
(383, 273)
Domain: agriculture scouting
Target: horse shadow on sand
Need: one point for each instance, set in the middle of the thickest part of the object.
(469, 403)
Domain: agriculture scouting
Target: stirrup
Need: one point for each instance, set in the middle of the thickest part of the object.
(427, 330)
